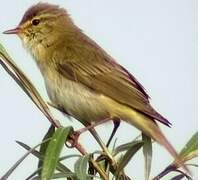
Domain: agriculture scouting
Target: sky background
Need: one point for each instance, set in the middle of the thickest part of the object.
(155, 40)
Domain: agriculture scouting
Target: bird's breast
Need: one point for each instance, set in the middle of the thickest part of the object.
(79, 101)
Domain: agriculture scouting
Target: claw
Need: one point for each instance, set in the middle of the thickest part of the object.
(73, 141)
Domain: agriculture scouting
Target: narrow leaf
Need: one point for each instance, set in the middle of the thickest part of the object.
(63, 176)
(44, 146)
(128, 155)
(33, 174)
(178, 177)
(58, 176)
(26, 85)
(190, 150)
(53, 151)
(60, 166)
(184, 174)
(125, 147)
(80, 167)
(11, 170)
(68, 156)
(195, 165)
(192, 145)
(147, 151)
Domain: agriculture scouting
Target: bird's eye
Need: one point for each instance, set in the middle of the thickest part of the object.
(35, 22)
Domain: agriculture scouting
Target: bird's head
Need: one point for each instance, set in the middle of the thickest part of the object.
(42, 23)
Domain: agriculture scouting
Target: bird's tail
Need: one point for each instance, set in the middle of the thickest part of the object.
(150, 128)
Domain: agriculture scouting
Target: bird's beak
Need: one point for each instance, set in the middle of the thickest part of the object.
(13, 31)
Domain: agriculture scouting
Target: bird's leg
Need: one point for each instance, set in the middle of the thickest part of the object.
(89, 127)
(77, 133)
(74, 139)
(73, 142)
(77, 145)
(116, 123)
(93, 125)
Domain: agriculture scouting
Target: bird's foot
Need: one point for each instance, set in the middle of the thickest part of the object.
(73, 140)
(75, 135)
(73, 143)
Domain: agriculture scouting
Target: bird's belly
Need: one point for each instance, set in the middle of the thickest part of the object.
(77, 100)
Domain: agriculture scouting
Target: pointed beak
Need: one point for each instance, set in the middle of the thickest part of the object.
(13, 31)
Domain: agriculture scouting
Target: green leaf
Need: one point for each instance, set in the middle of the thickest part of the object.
(62, 175)
(147, 151)
(135, 146)
(125, 147)
(3, 51)
(195, 165)
(31, 176)
(80, 167)
(60, 166)
(190, 150)
(25, 84)
(44, 146)
(53, 152)
(69, 156)
(58, 176)
(11, 170)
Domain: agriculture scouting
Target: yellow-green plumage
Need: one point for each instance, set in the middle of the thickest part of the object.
(82, 78)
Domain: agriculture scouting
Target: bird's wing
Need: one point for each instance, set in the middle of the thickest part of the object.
(103, 75)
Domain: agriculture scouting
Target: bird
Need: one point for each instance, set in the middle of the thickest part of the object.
(81, 78)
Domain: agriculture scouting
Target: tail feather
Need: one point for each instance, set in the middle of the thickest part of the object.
(150, 128)
(144, 123)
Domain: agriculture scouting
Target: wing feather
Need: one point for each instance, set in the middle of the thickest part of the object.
(92, 67)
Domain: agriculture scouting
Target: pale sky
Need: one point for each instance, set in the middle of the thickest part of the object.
(155, 40)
